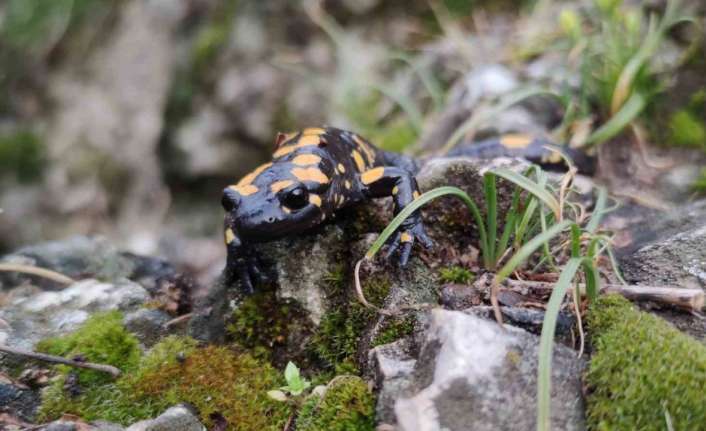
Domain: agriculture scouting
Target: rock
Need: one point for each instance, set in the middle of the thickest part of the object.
(32, 314)
(18, 401)
(303, 265)
(392, 365)
(471, 374)
(80, 257)
(459, 296)
(147, 325)
(669, 250)
(106, 426)
(178, 418)
(61, 426)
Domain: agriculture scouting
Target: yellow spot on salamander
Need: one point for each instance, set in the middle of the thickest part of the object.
(372, 175)
(279, 185)
(230, 236)
(341, 168)
(313, 131)
(405, 237)
(395, 190)
(249, 178)
(365, 147)
(286, 210)
(306, 159)
(515, 141)
(315, 199)
(304, 141)
(416, 194)
(245, 190)
(310, 174)
(347, 184)
(360, 164)
(552, 157)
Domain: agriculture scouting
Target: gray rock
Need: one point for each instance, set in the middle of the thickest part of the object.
(106, 426)
(471, 374)
(20, 402)
(61, 426)
(178, 418)
(669, 249)
(81, 257)
(459, 296)
(147, 325)
(303, 265)
(32, 314)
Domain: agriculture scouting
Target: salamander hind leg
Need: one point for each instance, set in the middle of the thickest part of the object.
(399, 183)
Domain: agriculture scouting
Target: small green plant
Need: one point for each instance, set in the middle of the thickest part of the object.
(699, 185)
(615, 45)
(456, 274)
(296, 384)
(344, 404)
(545, 215)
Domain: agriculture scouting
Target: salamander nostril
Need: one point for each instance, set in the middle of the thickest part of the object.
(271, 220)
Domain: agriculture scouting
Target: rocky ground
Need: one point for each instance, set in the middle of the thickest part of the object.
(129, 125)
(448, 367)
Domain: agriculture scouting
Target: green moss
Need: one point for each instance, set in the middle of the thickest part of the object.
(394, 329)
(22, 154)
(336, 341)
(687, 130)
(641, 367)
(102, 339)
(456, 274)
(347, 405)
(213, 379)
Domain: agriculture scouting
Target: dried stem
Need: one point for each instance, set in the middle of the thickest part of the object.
(59, 360)
(34, 270)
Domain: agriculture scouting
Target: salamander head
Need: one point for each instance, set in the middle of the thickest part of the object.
(270, 203)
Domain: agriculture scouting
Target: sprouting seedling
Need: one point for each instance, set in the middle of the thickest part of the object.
(296, 384)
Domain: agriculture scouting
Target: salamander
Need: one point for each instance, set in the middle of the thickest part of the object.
(318, 171)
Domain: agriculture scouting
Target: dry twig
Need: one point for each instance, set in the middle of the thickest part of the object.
(59, 360)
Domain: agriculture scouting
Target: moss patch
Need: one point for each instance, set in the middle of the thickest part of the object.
(262, 324)
(347, 405)
(393, 329)
(687, 130)
(22, 154)
(213, 379)
(102, 339)
(642, 367)
(456, 274)
(336, 341)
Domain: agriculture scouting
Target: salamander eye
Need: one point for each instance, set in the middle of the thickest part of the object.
(296, 198)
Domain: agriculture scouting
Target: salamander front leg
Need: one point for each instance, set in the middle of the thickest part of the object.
(242, 264)
(401, 185)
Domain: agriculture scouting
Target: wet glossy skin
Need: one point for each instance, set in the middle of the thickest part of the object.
(314, 173)
(317, 171)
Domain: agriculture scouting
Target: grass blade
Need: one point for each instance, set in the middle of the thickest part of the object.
(629, 111)
(418, 203)
(598, 211)
(526, 250)
(491, 205)
(546, 343)
(536, 189)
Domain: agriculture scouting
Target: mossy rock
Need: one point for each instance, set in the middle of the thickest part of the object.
(212, 379)
(347, 405)
(643, 369)
(101, 339)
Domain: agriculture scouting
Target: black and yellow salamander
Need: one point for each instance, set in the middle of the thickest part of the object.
(314, 173)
